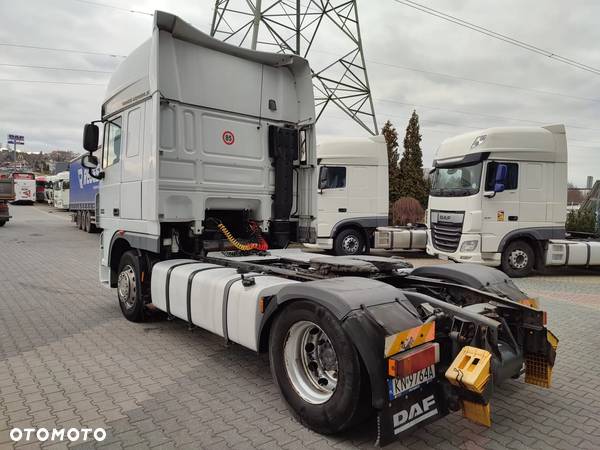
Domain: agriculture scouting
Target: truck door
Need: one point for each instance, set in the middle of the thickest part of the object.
(110, 200)
(131, 171)
(362, 184)
(333, 198)
(500, 210)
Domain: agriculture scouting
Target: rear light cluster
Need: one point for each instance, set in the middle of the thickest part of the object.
(411, 361)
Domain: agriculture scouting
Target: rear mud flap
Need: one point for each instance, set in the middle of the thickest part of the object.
(410, 411)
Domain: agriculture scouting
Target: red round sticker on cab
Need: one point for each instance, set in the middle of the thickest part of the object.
(228, 137)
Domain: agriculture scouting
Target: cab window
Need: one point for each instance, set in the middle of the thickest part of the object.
(512, 176)
(332, 177)
(112, 142)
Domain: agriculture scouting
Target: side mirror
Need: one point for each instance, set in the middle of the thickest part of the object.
(501, 173)
(90, 162)
(91, 133)
(322, 178)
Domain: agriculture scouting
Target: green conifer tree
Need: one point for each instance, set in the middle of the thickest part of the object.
(413, 182)
(390, 134)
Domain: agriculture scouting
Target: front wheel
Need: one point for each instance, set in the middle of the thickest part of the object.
(518, 259)
(129, 287)
(349, 242)
(317, 369)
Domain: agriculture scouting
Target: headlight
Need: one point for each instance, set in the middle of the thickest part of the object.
(469, 246)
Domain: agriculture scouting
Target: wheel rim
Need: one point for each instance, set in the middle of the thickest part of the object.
(518, 259)
(126, 287)
(311, 362)
(350, 244)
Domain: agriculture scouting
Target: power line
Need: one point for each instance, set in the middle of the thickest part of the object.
(498, 36)
(473, 80)
(104, 5)
(492, 83)
(66, 50)
(52, 82)
(534, 122)
(55, 68)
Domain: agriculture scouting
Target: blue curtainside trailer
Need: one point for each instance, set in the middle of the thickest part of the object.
(83, 196)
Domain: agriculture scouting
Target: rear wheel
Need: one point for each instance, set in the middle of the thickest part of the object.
(518, 259)
(317, 369)
(78, 219)
(87, 224)
(349, 242)
(129, 287)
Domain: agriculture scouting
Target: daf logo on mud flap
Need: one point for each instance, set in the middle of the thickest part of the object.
(418, 412)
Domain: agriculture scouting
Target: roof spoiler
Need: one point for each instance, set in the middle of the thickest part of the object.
(184, 31)
(556, 129)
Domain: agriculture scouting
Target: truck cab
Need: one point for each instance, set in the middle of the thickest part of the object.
(498, 196)
(61, 190)
(352, 194)
(202, 137)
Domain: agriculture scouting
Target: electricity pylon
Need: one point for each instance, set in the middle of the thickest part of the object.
(326, 32)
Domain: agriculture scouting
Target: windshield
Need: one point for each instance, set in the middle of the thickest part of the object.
(456, 181)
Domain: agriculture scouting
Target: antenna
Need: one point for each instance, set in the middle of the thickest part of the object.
(326, 32)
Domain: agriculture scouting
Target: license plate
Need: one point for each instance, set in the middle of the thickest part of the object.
(399, 386)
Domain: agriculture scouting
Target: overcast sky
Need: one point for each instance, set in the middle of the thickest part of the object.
(51, 116)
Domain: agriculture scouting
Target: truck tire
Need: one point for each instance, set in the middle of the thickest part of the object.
(518, 259)
(349, 242)
(2, 223)
(317, 369)
(86, 222)
(78, 220)
(129, 287)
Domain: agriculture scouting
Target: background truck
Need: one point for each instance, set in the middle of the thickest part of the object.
(83, 196)
(499, 198)
(40, 188)
(61, 190)
(208, 172)
(24, 187)
(353, 200)
(7, 194)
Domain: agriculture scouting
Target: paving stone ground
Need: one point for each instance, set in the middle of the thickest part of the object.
(68, 359)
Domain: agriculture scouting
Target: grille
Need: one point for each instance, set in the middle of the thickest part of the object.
(446, 236)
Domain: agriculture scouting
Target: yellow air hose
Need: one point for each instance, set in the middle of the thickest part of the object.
(233, 241)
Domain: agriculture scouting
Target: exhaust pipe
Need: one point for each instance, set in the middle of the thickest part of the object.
(283, 148)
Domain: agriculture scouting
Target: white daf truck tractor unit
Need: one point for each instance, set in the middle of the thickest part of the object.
(208, 170)
(499, 198)
(353, 199)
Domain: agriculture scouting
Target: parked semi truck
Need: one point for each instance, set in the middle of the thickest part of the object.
(24, 188)
(353, 200)
(7, 194)
(499, 198)
(40, 188)
(515, 222)
(61, 190)
(83, 196)
(208, 170)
